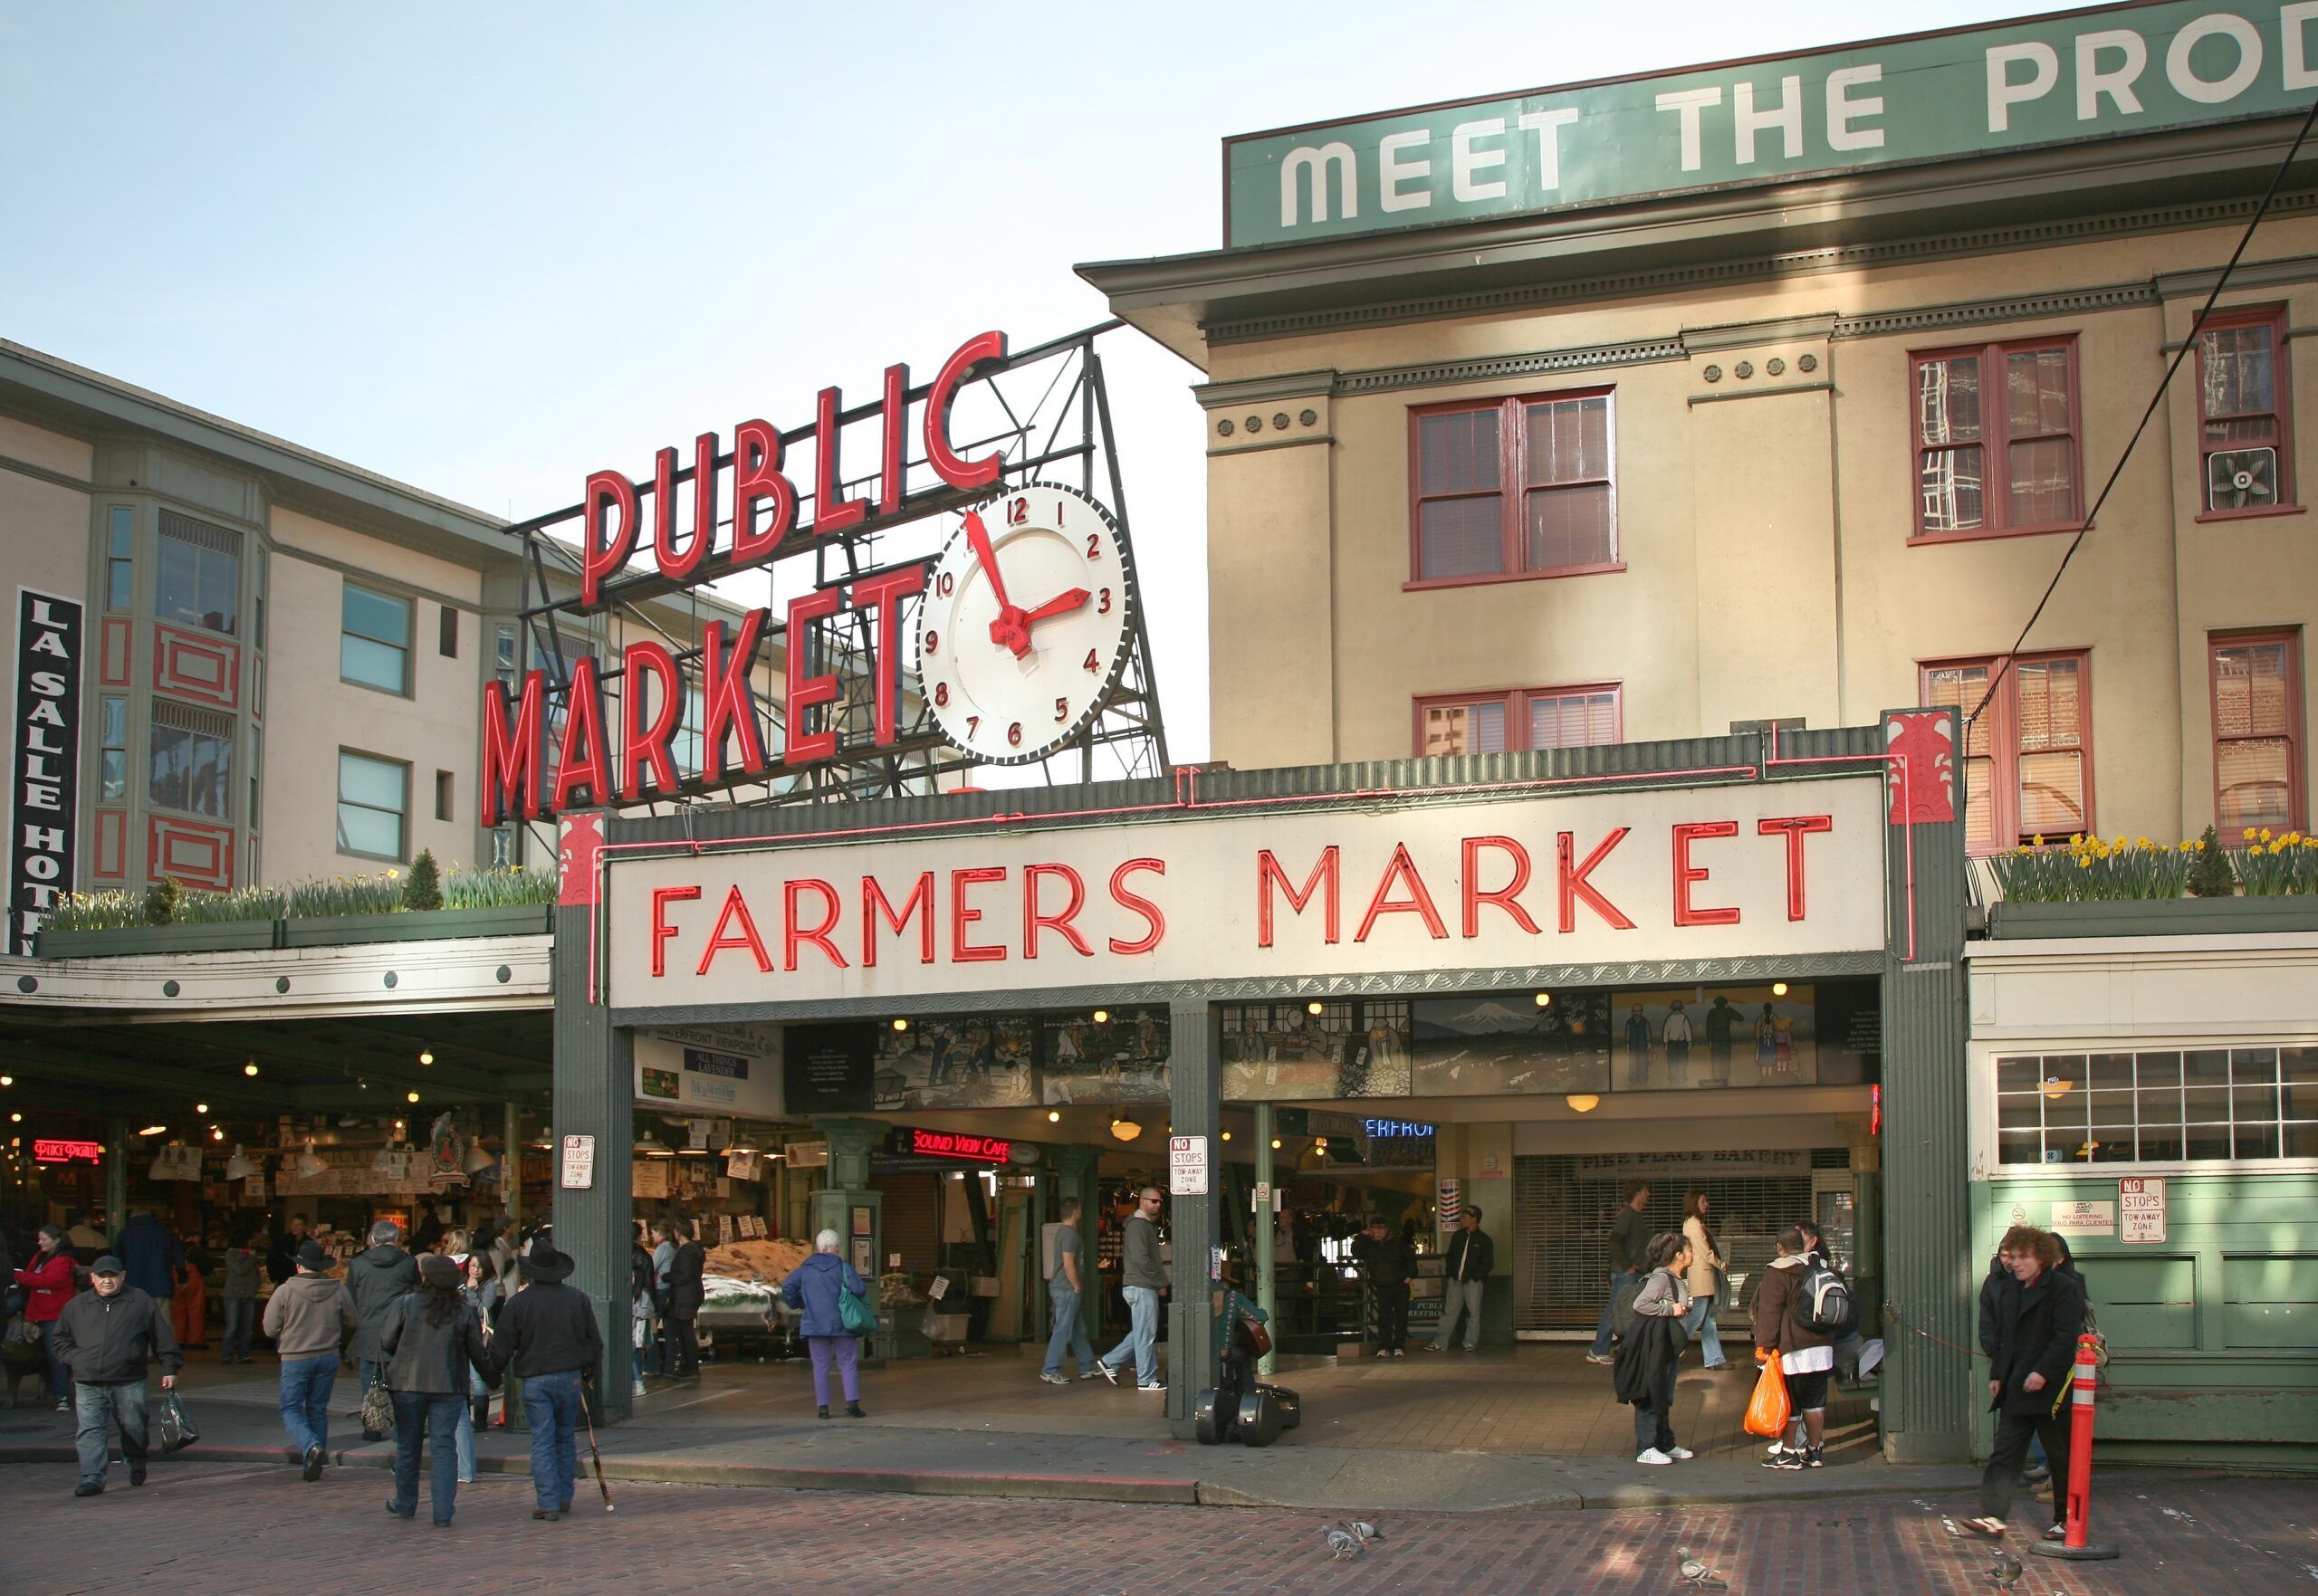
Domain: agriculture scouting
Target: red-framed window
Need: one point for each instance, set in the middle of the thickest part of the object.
(1524, 718)
(2244, 416)
(1997, 449)
(1525, 487)
(2258, 753)
(2028, 746)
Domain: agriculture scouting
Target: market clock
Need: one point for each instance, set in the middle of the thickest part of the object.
(1024, 626)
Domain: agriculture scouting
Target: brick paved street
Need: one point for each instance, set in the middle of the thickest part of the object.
(213, 1529)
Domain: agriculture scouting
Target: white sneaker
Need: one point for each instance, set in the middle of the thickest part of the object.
(1053, 1379)
(1680, 1454)
(1151, 1388)
(1653, 1457)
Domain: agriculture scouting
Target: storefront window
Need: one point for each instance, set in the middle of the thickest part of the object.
(2162, 1107)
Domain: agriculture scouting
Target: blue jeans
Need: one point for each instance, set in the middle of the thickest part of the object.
(1069, 1332)
(241, 1313)
(60, 1378)
(1460, 1299)
(434, 1417)
(306, 1385)
(1602, 1332)
(1699, 1323)
(1142, 1339)
(92, 1407)
(551, 1408)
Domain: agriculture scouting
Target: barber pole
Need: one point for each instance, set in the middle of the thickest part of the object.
(2083, 1385)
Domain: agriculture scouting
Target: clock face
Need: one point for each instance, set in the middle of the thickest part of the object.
(1024, 624)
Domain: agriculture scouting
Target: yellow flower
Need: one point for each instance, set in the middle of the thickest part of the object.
(2023, 848)
(2040, 841)
(2253, 850)
(2266, 834)
(2141, 842)
(2084, 863)
(2076, 839)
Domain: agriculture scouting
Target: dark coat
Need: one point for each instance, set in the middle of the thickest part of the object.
(375, 1279)
(1992, 1290)
(1645, 1359)
(548, 1328)
(1775, 1325)
(683, 1280)
(813, 1286)
(1484, 1253)
(1387, 1262)
(424, 1356)
(109, 1340)
(149, 1255)
(2036, 1329)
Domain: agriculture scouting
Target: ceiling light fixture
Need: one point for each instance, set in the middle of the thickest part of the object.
(901, 1025)
(411, 1096)
(217, 1134)
(1125, 1129)
(2055, 1088)
(1320, 1143)
(1545, 1000)
(1227, 1135)
(1054, 1116)
(1314, 1007)
(201, 1108)
(1102, 1017)
(15, 1119)
(1778, 989)
(1275, 1144)
(1583, 1101)
(8, 1080)
(427, 1055)
(153, 1131)
(250, 1068)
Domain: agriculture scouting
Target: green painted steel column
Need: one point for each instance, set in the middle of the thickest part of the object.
(1196, 1110)
(511, 1171)
(1267, 1276)
(116, 1179)
(1930, 1272)
(595, 1095)
(849, 1191)
(1075, 1175)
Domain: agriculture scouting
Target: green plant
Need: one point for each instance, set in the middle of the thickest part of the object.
(347, 894)
(2272, 867)
(2088, 870)
(242, 903)
(2212, 876)
(95, 912)
(497, 888)
(161, 901)
(423, 888)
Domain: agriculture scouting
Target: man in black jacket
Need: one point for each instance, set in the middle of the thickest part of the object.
(106, 1336)
(1386, 1261)
(1464, 1276)
(2037, 1325)
(548, 1340)
(376, 1279)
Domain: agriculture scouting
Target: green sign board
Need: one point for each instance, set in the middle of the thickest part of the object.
(2120, 69)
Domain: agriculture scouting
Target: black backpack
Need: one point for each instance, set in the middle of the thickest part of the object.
(1823, 1302)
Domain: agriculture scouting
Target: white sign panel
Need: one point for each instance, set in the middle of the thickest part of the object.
(2083, 1219)
(1760, 870)
(1187, 1166)
(2140, 1209)
(579, 1163)
(729, 1072)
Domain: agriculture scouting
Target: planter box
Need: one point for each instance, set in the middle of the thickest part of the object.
(130, 940)
(2154, 917)
(325, 930)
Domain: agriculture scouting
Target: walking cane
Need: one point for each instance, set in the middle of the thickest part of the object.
(594, 1456)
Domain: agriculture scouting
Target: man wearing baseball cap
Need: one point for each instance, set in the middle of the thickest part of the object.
(105, 1337)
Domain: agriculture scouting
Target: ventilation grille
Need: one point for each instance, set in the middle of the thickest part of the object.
(200, 533)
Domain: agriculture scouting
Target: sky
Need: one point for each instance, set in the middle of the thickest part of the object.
(488, 249)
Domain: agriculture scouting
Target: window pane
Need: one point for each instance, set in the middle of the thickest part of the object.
(2237, 369)
(120, 530)
(198, 575)
(1457, 452)
(1570, 526)
(2051, 701)
(1573, 719)
(1948, 400)
(2051, 795)
(1569, 441)
(2110, 1072)
(2251, 693)
(2019, 1147)
(120, 574)
(1963, 686)
(374, 782)
(373, 615)
(190, 771)
(114, 766)
(112, 723)
(369, 831)
(1950, 484)
(2257, 783)
(1464, 729)
(2255, 1105)
(2256, 1141)
(2017, 1074)
(2253, 1066)
(2301, 1141)
(2036, 384)
(2156, 1069)
(1463, 536)
(374, 664)
(2043, 482)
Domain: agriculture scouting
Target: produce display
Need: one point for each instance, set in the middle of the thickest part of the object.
(771, 1261)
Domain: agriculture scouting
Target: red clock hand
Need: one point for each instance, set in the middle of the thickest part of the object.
(1061, 604)
(1007, 629)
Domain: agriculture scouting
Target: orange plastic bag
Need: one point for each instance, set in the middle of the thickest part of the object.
(1768, 1410)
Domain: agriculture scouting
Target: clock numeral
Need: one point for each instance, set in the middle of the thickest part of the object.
(1094, 545)
(934, 642)
(941, 694)
(974, 725)
(1093, 666)
(946, 584)
(1102, 607)
(1014, 735)
(1017, 510)
(1062, 708)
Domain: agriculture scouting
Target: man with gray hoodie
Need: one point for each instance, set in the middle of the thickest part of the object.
(306, 1315)
(376, 1279)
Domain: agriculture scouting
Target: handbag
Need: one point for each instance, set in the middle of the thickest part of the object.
(178, 1430)
(1768, 1409)
(853, 1311)
(378, 1410)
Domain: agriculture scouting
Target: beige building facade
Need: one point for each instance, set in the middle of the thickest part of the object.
(1793, 453)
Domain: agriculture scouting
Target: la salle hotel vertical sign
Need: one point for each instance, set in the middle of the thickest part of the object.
(46, 777)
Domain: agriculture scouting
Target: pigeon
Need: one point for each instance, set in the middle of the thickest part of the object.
(2006, 1572)
(1342, 1545)
(1365, 1531)
(1696, 1575)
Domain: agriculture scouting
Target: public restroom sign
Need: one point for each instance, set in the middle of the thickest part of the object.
(2063, 77)
(47, 770)
(1767, 870)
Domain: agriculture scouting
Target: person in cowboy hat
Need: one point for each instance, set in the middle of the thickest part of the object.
(305, 1317)
(549, 1341)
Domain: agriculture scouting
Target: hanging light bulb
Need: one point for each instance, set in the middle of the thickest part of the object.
(201, 1108)
(1583, 1101)
(1054, 1116)
(1227, 1135)
(1320, 1143)
(216, 1133)
(8, 1080)
(1314, 1007)
(1125, 1129)
(901, 1025)
(1778, 989)
(425, 1056)
(1545, 1000)
(1275, 1144)
(250, 1068)
(412, 1096)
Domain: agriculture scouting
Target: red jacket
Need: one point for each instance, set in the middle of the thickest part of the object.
(51, 1286)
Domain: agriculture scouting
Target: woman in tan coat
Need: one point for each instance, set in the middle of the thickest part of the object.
(1705, 1279)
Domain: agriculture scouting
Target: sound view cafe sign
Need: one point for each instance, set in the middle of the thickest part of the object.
(1786, 869)
(632, 762)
